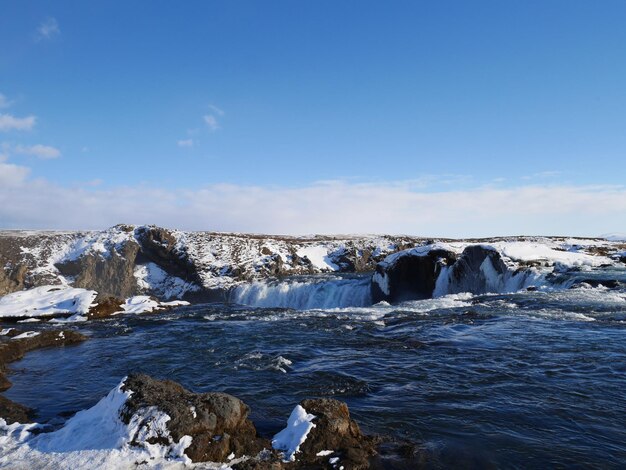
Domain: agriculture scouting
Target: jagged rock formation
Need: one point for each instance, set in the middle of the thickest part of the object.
(125, 261)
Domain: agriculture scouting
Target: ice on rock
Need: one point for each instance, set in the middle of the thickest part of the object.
(291, 438)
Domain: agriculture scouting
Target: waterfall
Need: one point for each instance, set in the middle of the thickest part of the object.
(487, 279)
(303, 293)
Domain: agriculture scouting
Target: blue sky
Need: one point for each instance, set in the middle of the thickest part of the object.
(402, 101)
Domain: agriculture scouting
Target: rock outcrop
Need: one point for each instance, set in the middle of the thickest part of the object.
(411, 274)
(217, 422)
(335, 430)
(421, 273)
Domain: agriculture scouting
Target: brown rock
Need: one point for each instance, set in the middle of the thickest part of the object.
(105, 307)
(217, 422)
(14, 412)
(335, 430)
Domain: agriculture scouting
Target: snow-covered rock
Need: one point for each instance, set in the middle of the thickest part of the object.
(47, 301)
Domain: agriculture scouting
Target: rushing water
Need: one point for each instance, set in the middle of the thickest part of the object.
(524, 380)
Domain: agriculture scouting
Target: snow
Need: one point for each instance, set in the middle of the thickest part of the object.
(140, 304)
(293, 436)
(324, 453)
(532, 251)
(29, 320)
(96, 438)
(615, 237)
(27, 334)
(318, 255)
(152, 279)
(145, 304)
(47, 301)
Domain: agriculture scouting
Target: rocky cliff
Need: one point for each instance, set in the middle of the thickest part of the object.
(126, 261)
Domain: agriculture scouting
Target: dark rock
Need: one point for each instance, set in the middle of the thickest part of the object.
(466, 274)
(608, 283)
(105, 307)
(12, 278)
(334, 430)
(13, 412)
(220, 425)
(109, 276)
(159, 246)
(411, 276)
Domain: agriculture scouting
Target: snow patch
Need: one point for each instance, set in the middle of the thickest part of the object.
(293, 436)
(27, 334)
(47, 301)
(152, 279)
(146, 304)
(318, 256)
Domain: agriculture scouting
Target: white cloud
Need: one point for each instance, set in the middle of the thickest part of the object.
(328, 207)
(11, 176)
(211, 122)
(4, 101)
(45, 152)
(9, 122)
(48, 29)
(185, 143)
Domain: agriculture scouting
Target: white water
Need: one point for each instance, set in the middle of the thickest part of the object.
(487, 281)
(305, 293)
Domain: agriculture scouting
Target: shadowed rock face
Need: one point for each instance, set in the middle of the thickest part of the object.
(467, 273)
(159, 246)
(110, 277)
(217, 422)
(479, 269)
(411, 277)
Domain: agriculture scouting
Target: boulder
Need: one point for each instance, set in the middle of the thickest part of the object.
(217, 422)
(105, 307)
(334, 430)
(478, 270)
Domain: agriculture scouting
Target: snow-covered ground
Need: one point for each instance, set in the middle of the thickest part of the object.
(47, 301)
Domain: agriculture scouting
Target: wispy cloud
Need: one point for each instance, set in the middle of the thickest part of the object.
(48, 29)
(45, 152)
(4, 101)
(211, 122)
(185, 143)
(216, 110)
(9, 122)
